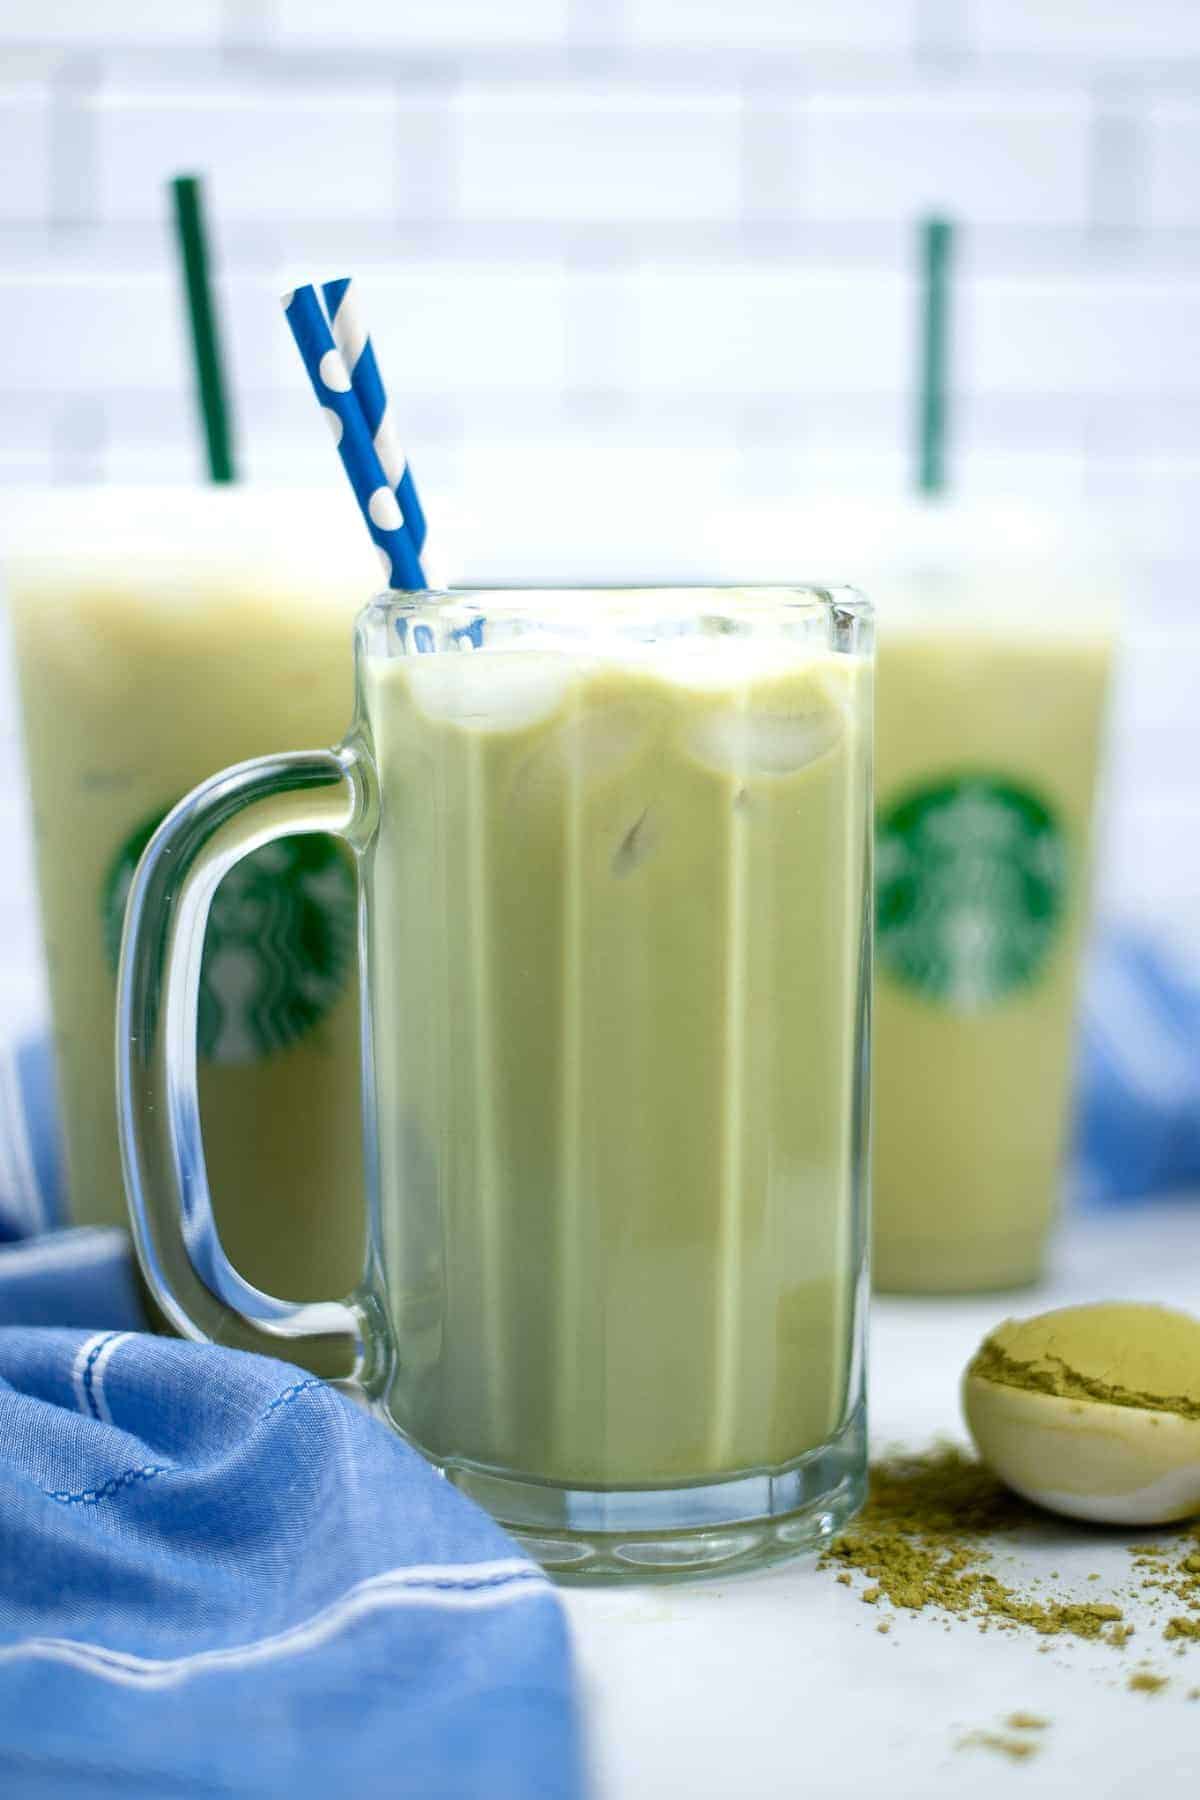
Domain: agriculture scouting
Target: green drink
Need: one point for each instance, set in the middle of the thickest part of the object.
(170, 634)
(989, 742)
(642, 1058)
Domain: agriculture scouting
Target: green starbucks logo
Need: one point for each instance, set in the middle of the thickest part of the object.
(279, 946)
(972, 877)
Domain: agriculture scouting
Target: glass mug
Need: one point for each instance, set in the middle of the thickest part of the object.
(614, 858)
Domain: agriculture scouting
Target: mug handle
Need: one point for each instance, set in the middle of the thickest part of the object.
(158, 1111)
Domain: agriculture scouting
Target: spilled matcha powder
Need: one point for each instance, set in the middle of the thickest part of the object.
(1020, 1749)
(1118, 1353)
(1166, 1576)
(1013, 1741)
(920, 1542)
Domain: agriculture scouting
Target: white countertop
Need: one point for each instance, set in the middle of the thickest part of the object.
(779, 1683)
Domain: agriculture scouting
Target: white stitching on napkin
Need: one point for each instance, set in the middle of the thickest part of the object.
(79, 1370)
(87, 1372)
(99, 1397)
(461, 1586)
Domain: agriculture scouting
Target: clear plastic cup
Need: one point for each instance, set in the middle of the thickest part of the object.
(160, 635)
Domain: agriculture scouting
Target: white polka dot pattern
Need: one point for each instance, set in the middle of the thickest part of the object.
(333, 372)
(384, 510)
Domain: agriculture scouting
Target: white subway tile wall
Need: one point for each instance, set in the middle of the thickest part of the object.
(995, 156)
(587, 154)
(691, 210)
(1154, 30)
(740, 330)
(376, 25)
(656, 243)
(99, 24)
(1072, 337)
(875, 26)
(296, 153)
(72, 332)
(558, 199)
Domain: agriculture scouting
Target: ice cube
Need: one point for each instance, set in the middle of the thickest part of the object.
(744, 742)
(488, 692)
(589, 745)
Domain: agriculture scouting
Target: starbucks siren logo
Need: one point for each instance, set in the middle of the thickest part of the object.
(972, 880)
(279, 945)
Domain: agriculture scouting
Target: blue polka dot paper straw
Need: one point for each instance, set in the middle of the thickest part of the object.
(350, 335)
(331, 383)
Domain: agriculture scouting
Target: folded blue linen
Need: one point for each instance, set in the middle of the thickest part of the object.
(222, 1577)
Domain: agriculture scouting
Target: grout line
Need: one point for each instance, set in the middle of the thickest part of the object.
(78, 439)
(1117, 175)
(940, 37)
(598, 34)
(73, 144)
(252, 244)
(440, 175)
(939, 42)
(248, 25)
(772, 154)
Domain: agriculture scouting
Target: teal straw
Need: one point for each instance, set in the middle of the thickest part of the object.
(211, 388)
(937, 249)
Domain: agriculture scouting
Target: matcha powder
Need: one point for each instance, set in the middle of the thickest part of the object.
(1118, 1353)
(921, 1544)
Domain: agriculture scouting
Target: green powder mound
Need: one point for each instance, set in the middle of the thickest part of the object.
(1118, 1352)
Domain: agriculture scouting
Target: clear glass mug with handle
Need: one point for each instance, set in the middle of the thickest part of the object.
(614, 858)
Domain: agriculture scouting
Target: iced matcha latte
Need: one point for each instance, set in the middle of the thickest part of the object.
(988, 748)
(616, 880)
(184, 639)
(616, 950)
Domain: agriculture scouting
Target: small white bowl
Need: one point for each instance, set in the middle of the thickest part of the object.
(1114, 1465)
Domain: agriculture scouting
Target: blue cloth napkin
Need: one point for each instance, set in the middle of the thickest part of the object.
(221, 1577)
(1137, 1126)
(31, 1175)
(82, 1278)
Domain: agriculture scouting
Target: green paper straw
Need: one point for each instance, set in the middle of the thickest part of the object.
(937, 250)
(211, 389)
